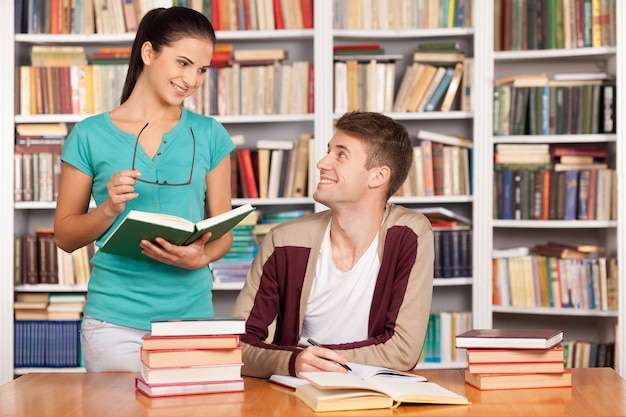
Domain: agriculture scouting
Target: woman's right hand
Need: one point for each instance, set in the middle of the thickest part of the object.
(121, 189)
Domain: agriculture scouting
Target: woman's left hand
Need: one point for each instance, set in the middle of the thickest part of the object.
(189, 257)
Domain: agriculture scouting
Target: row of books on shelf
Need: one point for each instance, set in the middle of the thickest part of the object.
(437, 80)
(39, 261)
(559, 182)
(273, 168)
(452, 235)
(47, 343)
(233, 90)
(439, 344)
(123, 16)
(260, 14)
(570, 103)
(48, 306)
(586, 194)
(37, 160)
(182, 357)
(37, 171)
(553, 24)
(554, 275)
(402, 14)
(268, 88)
(75, 89)
(439, 168)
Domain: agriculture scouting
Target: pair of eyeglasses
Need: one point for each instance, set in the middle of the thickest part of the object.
(157, 182)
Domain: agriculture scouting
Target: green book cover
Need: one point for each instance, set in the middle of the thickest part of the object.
(140, 225)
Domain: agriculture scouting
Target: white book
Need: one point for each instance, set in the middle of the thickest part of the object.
(445, 138)
(276, 162)
(341, 91)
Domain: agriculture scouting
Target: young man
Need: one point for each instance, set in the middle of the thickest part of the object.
(356, 278)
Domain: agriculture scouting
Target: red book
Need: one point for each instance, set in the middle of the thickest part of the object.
(187, 388)
(357, 46)
(507, 17)
(558, 151)
(545, 203)
(246, 174)
(278, 15)
(311, 92)
(437, 152)
(215, 15)
(307, 14)
(593, 184)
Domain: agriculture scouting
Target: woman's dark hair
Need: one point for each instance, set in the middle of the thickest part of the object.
(386, 142)
(161, 27)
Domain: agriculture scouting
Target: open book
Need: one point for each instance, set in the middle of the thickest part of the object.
(360, 370)
(140, 225)
(333, 391)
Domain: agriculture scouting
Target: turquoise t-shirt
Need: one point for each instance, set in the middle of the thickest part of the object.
(131, 292)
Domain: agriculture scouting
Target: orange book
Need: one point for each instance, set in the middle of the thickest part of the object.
(190, 357)
(427, 155)
(517, 367)
(519, 381)
(553, 354)
(190, 342)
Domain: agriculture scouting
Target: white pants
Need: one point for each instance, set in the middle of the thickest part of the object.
(107, 347)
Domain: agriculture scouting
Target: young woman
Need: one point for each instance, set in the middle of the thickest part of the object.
(147, 154)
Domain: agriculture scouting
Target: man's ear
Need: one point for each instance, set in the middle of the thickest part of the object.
(380, 177)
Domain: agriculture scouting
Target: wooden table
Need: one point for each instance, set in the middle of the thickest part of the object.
(596, 392)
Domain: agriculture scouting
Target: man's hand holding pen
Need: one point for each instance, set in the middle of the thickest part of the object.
(317, 358)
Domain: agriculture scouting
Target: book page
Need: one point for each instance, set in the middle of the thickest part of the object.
(369, 371)
(337, 380)
(418, 392)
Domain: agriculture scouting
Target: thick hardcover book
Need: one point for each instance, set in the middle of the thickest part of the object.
(190, 357)
(510, 338)
(554, 354)
(517, 367)
(207, 327)
(139, 225)
(332, 391)
(189, 374)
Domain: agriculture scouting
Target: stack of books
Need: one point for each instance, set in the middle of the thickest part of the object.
(183, 357)
(514, 358)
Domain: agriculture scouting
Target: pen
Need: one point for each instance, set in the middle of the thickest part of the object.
(314, 343)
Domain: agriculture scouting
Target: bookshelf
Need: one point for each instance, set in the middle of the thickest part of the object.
(474, 292)
(578, 323)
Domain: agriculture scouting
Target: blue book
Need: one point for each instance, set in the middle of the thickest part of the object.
(440, 91)
(584, 178)
(460, 17)
(507, 195)
(571, 194)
